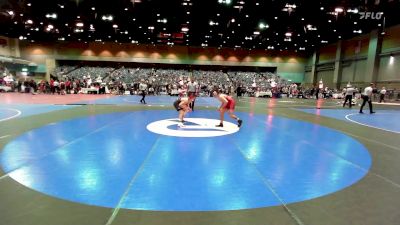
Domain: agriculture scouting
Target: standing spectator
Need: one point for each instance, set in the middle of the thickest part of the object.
(382, 94)
(366, 96)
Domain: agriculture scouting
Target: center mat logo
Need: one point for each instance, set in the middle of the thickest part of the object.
(193, 127)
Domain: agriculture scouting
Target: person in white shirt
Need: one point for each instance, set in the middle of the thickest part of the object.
(382, 94)
(192, 89)
(142, 89)
(366, 96)
(349, 95)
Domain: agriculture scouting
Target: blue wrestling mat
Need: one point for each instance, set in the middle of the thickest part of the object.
(151, 100)
(388, 120)
(11, 111)
(143, 160)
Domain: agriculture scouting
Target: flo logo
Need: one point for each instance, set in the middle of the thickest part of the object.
(371, 15)
(193, 127)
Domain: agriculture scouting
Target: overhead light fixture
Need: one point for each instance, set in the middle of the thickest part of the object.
(391, 59)
(184, 29)
(288, 34)
(256, 32)
(263, 25)
(107, 17)
(29, 22)
(355, 11)
(79, 24)
(225, 2)
(93, 8)
(338, 9)
(11, 13)
(51, 16)
(115, 26)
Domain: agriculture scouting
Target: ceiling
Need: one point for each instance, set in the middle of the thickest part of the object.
(293, 25)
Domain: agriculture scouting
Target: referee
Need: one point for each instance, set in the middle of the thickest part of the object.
(366, 96)
(192, 88)
(142, 89)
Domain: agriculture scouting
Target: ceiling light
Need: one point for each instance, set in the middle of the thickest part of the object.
(10, 13)
(79, 24)
(225, 2)
(29, 22)
(51, 16)
(115, 26)
(233, 20)
(150, 28)
(126, 9)
(276, 17)
(288, 34)
(107, 17)
(256, 32)
(322, 8)
(93, 8)
(29, 4)
(355, 11)
(62, 6)
(185, 29)
(21, 38)
(338, 10)
(263, 25)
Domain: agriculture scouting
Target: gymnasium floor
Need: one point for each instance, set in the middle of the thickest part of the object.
(88, 159)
